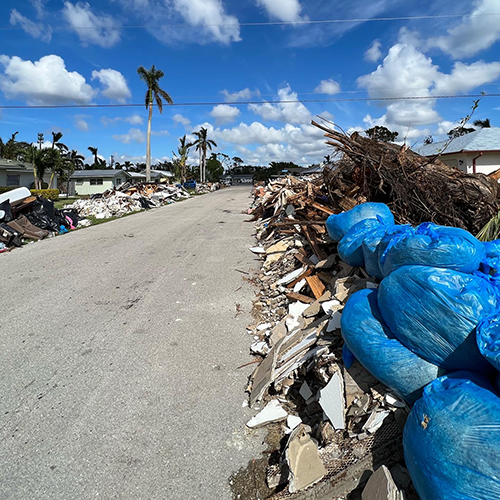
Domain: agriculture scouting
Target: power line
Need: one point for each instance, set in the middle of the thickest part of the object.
(244, 103)
(273, 23)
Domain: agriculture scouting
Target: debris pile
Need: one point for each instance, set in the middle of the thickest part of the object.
(25, 218)
(356, 292)
(417, 189)
(129, 198)
(341, 421)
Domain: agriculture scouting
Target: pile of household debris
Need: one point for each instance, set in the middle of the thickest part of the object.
(24, 217)
(129, 198)
(340, 425)
(304, 285)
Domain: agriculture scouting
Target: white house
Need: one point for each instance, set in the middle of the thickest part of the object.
(17, 174)
(477, 152)
(83, 182)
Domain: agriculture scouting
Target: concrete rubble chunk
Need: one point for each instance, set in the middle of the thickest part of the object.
(302, 457)
(312, 310)
(273, 412)
(381, 486)
(275, 252)
(331, 399)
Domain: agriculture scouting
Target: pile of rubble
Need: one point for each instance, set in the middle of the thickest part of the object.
(129, 198)
(340, 421)
(25, 218)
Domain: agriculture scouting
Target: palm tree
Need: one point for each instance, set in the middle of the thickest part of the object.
(182, 157)
(94, 153)
(38, 158)
(75, 159)
(483, 123)
(202, 143)
(151, 78)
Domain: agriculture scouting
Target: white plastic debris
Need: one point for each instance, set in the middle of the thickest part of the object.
(299, 285)
(291, 276)
(273, 412)
(258, 250)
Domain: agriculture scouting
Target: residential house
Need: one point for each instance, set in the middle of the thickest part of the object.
(84, 182)
(477, 152)
(17, 174)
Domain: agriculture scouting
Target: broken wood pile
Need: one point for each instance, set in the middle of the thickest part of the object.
(341, 422)
(416, 188)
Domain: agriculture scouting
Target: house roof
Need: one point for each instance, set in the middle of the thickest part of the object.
(482, 140)
(92, 174)
(136, 175)
(15, 165)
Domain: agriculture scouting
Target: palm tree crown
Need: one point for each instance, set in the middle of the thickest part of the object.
(151, 78)
(202, 144)
(483, 123)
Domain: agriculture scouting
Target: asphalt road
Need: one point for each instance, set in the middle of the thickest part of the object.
(119, 349)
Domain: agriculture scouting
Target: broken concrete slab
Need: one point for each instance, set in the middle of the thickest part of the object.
(331, 399)
(381, 486)
(312, 310)
(273, 412)
(304, 462)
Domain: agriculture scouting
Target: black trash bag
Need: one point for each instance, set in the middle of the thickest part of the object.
(9, 236)
(43, 221)
(5, 207)
(71, 213)
(43, 207)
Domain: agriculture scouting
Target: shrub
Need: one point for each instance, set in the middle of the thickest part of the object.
(49, 194)
(4, 189)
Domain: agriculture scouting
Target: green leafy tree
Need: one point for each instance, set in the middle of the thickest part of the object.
(181, 158)
(381, 134)
(12, 148)
(40, 160)
(459, 132)
(203, 143)
(151, 78)
(215, 169)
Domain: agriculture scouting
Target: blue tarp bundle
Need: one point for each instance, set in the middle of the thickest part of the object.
(488, 339)
(434, 312)
(452, 440)
(337, 225)
(433, 246)
(375, 347)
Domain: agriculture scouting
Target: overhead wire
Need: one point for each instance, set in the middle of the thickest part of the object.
(244, 103)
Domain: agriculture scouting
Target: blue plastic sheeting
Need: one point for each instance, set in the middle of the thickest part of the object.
(488, 339)
(371, 253)
(492, 248)
(452, 440)
(434, 312)
(434, 246)
(350, 247)
(375, 347)
(337, 225)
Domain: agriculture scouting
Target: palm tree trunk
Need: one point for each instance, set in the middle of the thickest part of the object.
(201, 165)
(148, 145)
(204, 162)
(51, 179)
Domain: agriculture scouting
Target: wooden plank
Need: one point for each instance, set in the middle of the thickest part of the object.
(316, 285)
(321, 207)
(301, 277)
(300, 297)
(303, 259)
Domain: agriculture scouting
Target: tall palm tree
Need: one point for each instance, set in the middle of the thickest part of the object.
(202, 144)
(75, 159)
(483, 123)
(56, 137)
(154, 93)
(38, 158)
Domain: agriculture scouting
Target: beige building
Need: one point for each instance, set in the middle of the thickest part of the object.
(17, 174)
(477, 152)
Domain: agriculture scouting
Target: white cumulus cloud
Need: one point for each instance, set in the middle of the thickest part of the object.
(133, 135)
(329, 87)
(178, 118)
(241, 95)
(81, 123)
(475, 33)
(282, 10)
(114, 83)
(288, 112)
(99, 29)
(373, 54)
(224, 113)
(46, 81)
(36, 30)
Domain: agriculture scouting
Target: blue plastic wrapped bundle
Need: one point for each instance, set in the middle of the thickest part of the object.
(492, 248)
(375, 347)
(434, 246)
(452, 440)
(488, 339)
(337, 225)
(434, 312)
(350, 247)
(370, 251)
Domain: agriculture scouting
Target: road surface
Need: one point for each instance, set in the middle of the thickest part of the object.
(119, 349)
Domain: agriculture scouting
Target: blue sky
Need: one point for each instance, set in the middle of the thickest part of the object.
(209, 55)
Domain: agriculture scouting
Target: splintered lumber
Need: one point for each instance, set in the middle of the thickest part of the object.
(316, 285)
(299, 297)
(416, 188)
